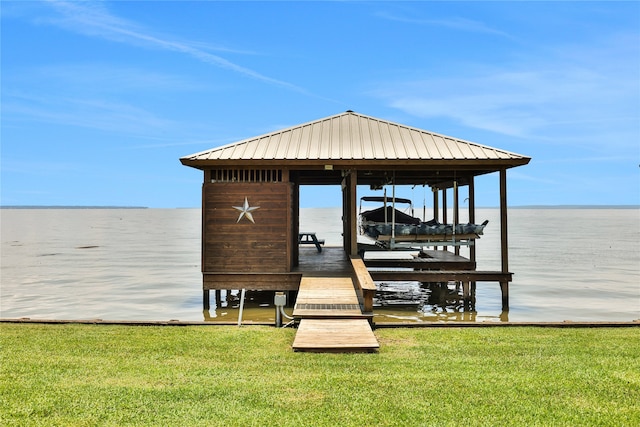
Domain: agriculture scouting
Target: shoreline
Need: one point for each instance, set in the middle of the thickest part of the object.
(382, 325)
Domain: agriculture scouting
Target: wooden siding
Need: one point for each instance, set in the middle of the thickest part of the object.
(252, 281)
(236, 245)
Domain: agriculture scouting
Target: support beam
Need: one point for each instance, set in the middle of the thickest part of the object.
(206, 305)
(444, 205)
(456, 211)
(206, 302)
(504, 286)
(472, 215)
(436, 213)
(504, 290)
(444, 210)
(353, 215)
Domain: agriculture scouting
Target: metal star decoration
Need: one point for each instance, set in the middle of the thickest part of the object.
(245, 210)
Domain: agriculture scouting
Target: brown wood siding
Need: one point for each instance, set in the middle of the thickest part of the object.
(252, 281)
(232, 245)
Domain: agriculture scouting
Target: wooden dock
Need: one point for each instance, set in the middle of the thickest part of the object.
(335, 336)
(331, 317)
(334, 305)
(327, 297)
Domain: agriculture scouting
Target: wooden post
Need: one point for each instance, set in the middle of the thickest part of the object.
(504, 290)
(472, 220)
(353, 215)
(436, 214)
(205, 292)
(456, 213)
(466, 294)
(206, 303)
(444, 210)
(344, 218)
(472, 216)
(349, 214)
(504, 286)
(436, 207)
(444, 205)
(295, 224)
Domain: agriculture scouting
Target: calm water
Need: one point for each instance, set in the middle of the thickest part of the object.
(144, 264)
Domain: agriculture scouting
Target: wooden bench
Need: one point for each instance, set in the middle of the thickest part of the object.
(364, 283)
(309, 238)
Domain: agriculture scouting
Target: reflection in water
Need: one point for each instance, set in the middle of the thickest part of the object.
(432, 302)
(397, 302)
(428, 302)
(225, 307)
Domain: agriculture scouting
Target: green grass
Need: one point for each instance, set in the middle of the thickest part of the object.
(87, 375)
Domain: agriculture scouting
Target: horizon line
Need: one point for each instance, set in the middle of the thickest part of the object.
(538, 206)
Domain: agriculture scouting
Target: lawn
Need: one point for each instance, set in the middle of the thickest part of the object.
(98, 375)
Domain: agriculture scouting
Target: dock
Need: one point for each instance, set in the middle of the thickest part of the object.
(335, 336)
(331, 314)
(334, 305)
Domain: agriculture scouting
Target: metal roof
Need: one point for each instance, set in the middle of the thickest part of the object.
(350, 138)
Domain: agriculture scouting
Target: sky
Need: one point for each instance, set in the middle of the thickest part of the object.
(100, 99)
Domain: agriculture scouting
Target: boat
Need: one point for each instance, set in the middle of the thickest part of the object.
(389, 228)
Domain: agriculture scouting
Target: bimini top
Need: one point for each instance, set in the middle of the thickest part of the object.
(349, 137)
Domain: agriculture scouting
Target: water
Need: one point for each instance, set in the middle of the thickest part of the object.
(144, 264)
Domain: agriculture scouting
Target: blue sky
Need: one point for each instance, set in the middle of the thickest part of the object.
(101, 99)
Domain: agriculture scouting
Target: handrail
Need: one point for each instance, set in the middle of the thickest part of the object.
(364, 283)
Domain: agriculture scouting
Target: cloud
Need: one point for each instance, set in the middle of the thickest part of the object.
(206, 144)
(570, 90)
(82, 112)
(97, 77)
(519, 176)
(453, 23)
(93, 19)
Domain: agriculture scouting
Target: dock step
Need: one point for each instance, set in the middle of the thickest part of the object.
(335, 335)
(332, 297)
(331, 318)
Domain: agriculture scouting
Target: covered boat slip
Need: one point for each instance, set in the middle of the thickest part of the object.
(251, 203)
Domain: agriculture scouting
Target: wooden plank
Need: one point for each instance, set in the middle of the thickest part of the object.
(327, 297)
(256, 281)
(420, 264)
(433, 260)
(364, 282)
(332, 261)
(442, 275)
(331, 317)
(335, 335)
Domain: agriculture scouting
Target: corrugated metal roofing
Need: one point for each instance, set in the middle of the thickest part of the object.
(352, 136)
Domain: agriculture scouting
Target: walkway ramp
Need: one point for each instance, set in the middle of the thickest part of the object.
(331, 319)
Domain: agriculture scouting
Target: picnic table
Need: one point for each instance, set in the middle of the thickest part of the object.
(309, 238)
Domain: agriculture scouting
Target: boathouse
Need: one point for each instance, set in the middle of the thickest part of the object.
(251, 189)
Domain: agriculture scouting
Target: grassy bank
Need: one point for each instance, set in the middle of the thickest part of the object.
(178, 376)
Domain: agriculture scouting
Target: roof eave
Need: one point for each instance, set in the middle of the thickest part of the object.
(354, 164)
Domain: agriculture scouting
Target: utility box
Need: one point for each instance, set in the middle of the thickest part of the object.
(280, 299)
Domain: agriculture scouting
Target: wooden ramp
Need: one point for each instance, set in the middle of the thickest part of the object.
(330, 317)
(327, 297)
(335, 335)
